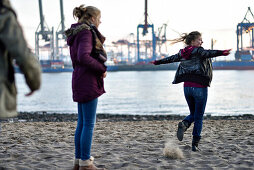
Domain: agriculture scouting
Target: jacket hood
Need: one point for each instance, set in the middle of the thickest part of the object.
(186, 52)
(73, 31)
(5, 4)
(69, 34)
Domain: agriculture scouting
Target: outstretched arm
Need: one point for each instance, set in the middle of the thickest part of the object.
(212, 53)
(171, 59)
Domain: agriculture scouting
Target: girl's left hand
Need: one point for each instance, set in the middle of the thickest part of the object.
(104, 75)
(226, 52)
(153, 62)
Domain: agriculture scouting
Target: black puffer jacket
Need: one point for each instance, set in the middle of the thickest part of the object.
(195, 67)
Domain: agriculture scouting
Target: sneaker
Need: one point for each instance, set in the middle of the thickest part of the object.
(180, 131)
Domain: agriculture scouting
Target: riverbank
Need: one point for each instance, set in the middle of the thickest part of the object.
(132, 144)
(58, 117)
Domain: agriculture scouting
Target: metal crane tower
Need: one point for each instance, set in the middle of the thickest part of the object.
(161, 39)
(46, 34)
(145, 31)
(246, 26)
(61, 31)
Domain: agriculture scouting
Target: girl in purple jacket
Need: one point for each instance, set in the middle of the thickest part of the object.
(88, 58)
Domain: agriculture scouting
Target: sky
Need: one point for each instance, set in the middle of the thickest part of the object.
(215, 19)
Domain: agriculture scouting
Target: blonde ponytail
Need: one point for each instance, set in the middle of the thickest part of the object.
(85, 13)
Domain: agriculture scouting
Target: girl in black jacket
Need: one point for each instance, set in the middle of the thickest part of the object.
(195, 70)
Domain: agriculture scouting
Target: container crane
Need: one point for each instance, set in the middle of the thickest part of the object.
(246, 26)
(60, 34)
(46, 34)
(145, 27)
(161, 38)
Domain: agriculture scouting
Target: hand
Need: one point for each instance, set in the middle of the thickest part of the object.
(29, 94)
(104, 75)
(226, 52)
(153, 62)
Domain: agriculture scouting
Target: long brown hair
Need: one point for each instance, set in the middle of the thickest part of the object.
(187, 38)
(85, 13)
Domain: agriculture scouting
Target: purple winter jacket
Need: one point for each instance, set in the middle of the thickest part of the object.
(87, 81)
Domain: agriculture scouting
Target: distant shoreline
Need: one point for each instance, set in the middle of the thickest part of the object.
(64, 117)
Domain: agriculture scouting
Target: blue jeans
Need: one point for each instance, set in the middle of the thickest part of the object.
(84, 130)
(196, 99)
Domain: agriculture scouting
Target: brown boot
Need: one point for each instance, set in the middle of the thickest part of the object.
(88, 165)
(76, 164)
(75, 167)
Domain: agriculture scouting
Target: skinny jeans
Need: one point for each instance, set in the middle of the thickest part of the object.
(196, 98)
(84, 130)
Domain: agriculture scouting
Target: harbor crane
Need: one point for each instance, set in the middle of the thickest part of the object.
(145, 27)
(60, 34)
(161, 38)
(46, 34)
(246, 26)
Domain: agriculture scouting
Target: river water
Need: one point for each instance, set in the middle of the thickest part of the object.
(143, 93)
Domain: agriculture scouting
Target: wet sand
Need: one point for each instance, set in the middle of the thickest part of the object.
(130, 145)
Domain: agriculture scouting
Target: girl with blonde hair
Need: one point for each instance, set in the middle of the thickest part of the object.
(88, 58)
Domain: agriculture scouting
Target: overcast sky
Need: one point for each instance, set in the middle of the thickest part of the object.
(214, 18)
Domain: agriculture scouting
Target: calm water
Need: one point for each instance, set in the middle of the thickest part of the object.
(231, 93)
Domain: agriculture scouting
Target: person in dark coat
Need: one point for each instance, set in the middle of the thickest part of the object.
(88, 58)
(195, 70)
(13, 47)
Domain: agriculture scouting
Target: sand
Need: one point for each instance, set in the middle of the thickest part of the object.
(130, 145)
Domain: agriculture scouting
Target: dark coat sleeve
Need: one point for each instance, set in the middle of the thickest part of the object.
(209, 53)
(14, 42)
(171, 59)
(84, 50)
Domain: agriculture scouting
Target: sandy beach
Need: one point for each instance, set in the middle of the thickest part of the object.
(225, 144)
